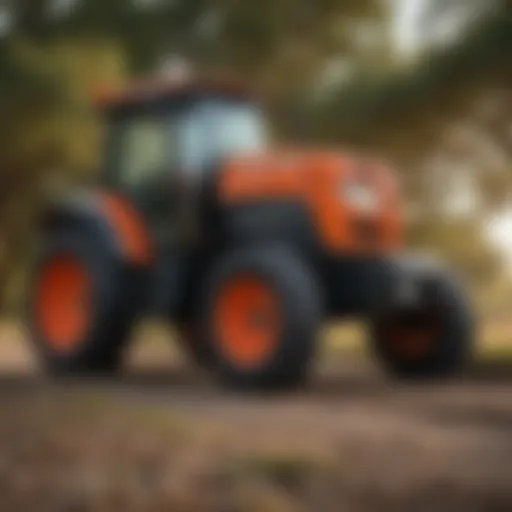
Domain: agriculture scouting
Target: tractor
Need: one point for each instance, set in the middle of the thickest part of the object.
(248, 249)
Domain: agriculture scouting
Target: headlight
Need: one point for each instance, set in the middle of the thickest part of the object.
(360, 196)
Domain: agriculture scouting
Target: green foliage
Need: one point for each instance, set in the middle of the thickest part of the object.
(405, 109)
(48, 134)
(50, 64)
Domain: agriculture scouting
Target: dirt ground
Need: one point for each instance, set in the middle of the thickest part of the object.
(165, 438)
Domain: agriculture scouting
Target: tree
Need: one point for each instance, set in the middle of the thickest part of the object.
(52, 59)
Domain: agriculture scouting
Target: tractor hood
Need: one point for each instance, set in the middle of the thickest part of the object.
(362, 182)
(334, 186)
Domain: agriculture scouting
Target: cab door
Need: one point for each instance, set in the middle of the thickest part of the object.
(142, 165)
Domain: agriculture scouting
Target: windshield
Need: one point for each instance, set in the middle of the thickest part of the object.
(151, 144)
(217, 128)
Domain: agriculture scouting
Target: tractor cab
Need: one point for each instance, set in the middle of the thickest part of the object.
(166, 140)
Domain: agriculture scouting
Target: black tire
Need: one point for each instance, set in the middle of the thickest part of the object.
(444, 302)
(299, 299)
(115, 295)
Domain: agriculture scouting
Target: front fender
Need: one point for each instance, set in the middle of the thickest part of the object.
(411, 273)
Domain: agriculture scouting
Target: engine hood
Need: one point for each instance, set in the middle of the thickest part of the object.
(325, 183)
(288, 173)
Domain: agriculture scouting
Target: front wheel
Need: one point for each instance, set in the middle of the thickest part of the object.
(433, 338)
(259, 317)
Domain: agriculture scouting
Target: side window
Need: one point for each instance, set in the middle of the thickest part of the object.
(145, 150)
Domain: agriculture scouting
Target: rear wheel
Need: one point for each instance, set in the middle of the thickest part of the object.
(259, 317)
(82, 306)
(432, 339)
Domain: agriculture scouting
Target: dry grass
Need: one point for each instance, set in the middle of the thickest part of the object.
(77, 450)
(81, 455)
(357, 444)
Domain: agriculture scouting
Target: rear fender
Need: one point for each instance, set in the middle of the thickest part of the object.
(114, 221)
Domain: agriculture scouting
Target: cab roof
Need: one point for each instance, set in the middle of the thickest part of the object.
(148, 90)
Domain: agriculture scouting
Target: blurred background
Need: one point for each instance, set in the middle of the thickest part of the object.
(426, 84)
(423, 83)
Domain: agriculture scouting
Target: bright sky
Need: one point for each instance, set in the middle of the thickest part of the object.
(501, 232)
(412, 33)
(407, 38)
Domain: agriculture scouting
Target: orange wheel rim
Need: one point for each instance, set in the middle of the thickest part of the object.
(248, 319)
(63, 302)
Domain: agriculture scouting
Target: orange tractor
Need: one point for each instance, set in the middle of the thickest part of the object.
(245, 248)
